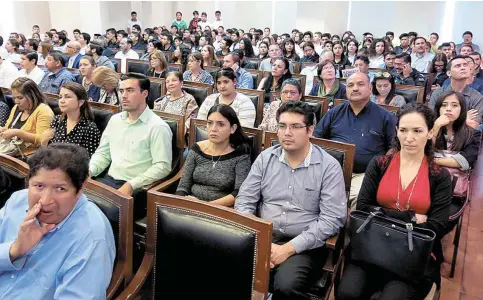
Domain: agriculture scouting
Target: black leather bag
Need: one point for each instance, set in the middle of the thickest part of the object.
(390, 244)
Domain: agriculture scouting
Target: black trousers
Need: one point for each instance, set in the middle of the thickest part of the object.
(110, 181)
(295, 276)
(361, 281)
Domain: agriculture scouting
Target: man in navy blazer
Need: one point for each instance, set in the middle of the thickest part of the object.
(73, 50)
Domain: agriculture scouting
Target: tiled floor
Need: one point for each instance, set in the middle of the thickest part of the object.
(467, 283)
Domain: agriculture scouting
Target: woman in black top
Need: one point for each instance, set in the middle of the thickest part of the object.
(273, 83)
(288, 50)
(75, 125)
(438, 67)
(216, 168)
(247, 47)
(158, 64)
(339, 58)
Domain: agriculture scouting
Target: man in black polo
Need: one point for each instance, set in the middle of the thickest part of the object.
(361, 122)
(405, 74)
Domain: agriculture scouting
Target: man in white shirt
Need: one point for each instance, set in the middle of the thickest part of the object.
(218, 22)
(29, 67)
(8, 73)
(134, 20)
(125, 52)
(274, 52)
(420, 59)
(311, 71)
(204, 22)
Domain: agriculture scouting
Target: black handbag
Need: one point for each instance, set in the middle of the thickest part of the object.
(390, 244)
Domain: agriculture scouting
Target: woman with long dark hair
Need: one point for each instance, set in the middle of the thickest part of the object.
(339, 58)
(288, 50)
(247, 48)
(384, 90)
(438, 67)
(216, 168)
(456, 143)
(76, 123)
(409, 186)
(273, 83)
(376, 53)
(351, 51)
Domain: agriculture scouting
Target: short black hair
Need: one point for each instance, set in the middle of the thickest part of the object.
(403, 35)
(364, 58)
(133, 13)
(229, 41)
(218, 12)
(413, 33)
(34, 43)
(389, 53)
(138, 28)
(436, 34)
(196, 12)
(111, 30)
(446, 44)
(58, 56)
(405, 56)
(204, 14)
(475, 53)
(76, 30)
(468, 32)
(129, 41)
(31, 55)
(309, 33)
(390, 33)
(450, 62)
(143, 81)
(1, 41)
(298, 107)
(35, 26)
(87, 37)
(71, 159)
(178, 12)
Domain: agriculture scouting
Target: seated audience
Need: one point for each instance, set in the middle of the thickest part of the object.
(56, 74)
(328, 85)
(246, 47)
(108, 81)
(404, 45)
(389, 58)
(244, 79)
(291, 91)
(420, 59)
(459, 73)
(405, 74)
(438, 67)
(340, 60)
(225, 45)
(29, 67)
(274, 53)
(456, 143)
(279, 73)
(411, 169)
(13, 51)
(153, 45)
(86, 69)
(159, 66)
(73, 51)
(138, 43)
(136, 144)
(262, 51)
(288, 50)
(311, 71)
(52, 236)
(43, 51)
(299, 187)
(467, 40)
(241, 104)
(177, 101)
(376, 54)
(216, 168)
(209, 58)
(361, 122)
(125, 52)
(473, 81)
(195, 71)
(180, 56)
(95, 49)
(384, 90)
(30, 116)
(8, 72)
(76, 123)
(310, 55)
(351, 52)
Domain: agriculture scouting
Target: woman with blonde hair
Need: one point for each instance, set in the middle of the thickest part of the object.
(108, 81)
(158, 64)
(43, 50)
(209, 57)
(28, 119)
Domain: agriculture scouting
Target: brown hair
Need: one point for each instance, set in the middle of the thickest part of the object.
(102, 76)
(81, 94)
(46, 48)
(198, 57)
(29, 89)
(159, 55)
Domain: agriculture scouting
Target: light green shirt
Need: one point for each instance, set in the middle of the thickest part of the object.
(139, 153)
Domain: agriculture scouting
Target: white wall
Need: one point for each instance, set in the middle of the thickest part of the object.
(468, 17)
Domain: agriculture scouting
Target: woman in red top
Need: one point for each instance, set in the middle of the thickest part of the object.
(409, 186)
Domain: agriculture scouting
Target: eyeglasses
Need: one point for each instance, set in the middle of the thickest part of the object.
(295, 126)
(382, 75)
(290, 92)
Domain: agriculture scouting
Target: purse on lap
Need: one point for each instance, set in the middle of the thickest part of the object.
(390, 244)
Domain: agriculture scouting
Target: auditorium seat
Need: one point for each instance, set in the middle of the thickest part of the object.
(16, 172)
(198, 90)
(411, 93)
(137, 66)
(258, 98)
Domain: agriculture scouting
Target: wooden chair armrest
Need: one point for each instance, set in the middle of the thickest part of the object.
(116, 280)
(332, 241)
(168, 183)
(138, 281)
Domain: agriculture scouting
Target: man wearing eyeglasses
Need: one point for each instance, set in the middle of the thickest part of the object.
(361, 122)
(300, 188)
(403, 72)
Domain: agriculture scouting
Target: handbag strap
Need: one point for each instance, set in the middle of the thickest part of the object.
(368, 219)
(17, 117)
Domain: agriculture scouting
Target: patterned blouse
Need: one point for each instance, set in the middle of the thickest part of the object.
(113, 99)
(183, 106)
(269, 122)
(84, 133)
(203, 77)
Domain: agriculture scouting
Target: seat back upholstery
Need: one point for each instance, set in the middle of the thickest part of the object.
(53, 101)
(255, 61)
(157, 89)
(176, 124)
(175, 67)
(117, 64)
(212, 70)
(320, 105)
(168, 55)
(299, 77)
(198, 90)
(344, 153)
(137, 65)
(198, 132)
(103, 113)
(258, 98)
(411, 93)
(256, 76)
(118, 209)
(16, 172)
(207, 240)
(390, 108)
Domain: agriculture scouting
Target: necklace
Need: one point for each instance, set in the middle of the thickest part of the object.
(213, 162)
(410, 194)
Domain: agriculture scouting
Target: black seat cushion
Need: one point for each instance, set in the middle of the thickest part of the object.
(114, 63)
(411, 96)
(202, 257)
(54, 105)
(199, 93)
(10, 182)
(137, 66)
(154, 93)
(9, 101)
(255, 100)
(317, 107)
(255, 76)
(101, 118)
(173, 125)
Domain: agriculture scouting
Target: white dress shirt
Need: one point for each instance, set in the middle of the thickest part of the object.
(13, 57)
(36, 74)
(123, 56)
(8, 73)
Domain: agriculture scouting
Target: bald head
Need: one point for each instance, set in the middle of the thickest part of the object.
(358, 76)
(358, 88)
(326, 55)
(74, 47)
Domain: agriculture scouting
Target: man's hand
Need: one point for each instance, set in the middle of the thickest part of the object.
(126, 189)
(280, 253)
(407, 70)
(29, 233)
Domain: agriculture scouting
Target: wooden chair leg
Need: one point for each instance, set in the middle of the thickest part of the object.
(456, 245)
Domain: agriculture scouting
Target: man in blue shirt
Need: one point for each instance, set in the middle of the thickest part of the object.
(54, 243)
(244, 79)
(361, 122)
(57, 75)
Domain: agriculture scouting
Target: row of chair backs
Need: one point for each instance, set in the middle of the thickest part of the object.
(320, 105)
(300, 78)
(177, 125)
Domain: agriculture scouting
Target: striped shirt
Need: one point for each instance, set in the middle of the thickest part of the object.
(242, 105)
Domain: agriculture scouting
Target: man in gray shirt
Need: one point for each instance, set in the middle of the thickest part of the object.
(459, 73)
(274, 52)
(300, 188)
